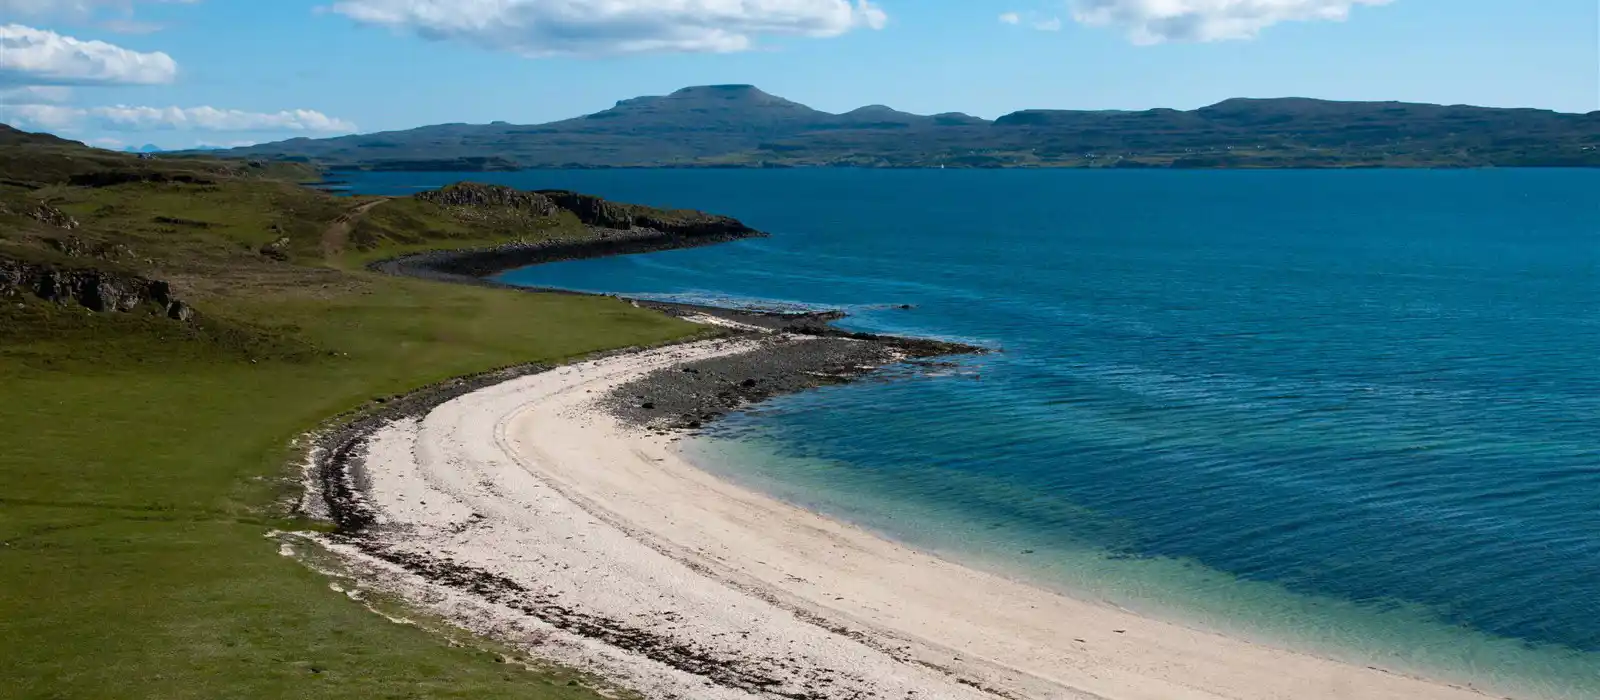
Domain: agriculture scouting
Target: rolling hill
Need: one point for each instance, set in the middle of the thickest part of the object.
(741, 126)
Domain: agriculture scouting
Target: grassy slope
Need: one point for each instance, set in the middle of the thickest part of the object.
(140, 459)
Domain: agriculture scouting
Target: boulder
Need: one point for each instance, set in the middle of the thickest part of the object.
(277, 250)
(179, 311)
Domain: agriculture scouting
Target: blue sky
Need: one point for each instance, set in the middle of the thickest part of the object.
(177, 73)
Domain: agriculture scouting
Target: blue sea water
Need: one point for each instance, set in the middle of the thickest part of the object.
(1354, 412)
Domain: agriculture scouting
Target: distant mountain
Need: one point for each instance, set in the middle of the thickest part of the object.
(741, 126)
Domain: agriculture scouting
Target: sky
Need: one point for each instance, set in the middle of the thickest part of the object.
(187, 73)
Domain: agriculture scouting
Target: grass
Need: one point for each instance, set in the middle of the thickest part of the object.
(409, 225)
(141, 459)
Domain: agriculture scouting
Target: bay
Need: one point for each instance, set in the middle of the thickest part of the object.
(1354, 412)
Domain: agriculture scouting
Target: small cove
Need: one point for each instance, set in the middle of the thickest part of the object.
(1356, 412)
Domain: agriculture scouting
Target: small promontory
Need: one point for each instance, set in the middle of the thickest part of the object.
(542, 226)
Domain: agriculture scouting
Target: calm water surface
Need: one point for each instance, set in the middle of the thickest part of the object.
(1352, 411)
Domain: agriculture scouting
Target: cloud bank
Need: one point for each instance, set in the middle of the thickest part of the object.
(72, 9)
(128, 118)
(42, 57)
(593, 27)
(1158, 21)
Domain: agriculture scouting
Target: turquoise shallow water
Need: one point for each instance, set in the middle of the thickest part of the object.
(1352, 411)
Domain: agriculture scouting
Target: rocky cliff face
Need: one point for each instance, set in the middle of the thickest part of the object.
(471, 194)
(93, 289)
(600, 213)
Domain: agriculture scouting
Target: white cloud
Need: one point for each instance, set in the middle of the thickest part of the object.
(34, 95)
(40, 116)
(127, 118)
(1157, 21)
(1050, 24)
(123, 118)
(71, 9)
(42, 57)
(591, 27)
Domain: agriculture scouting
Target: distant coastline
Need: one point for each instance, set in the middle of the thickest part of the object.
(739, 126)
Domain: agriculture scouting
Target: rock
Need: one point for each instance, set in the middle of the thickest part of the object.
(71, 246)
(75, 247)
(749, 383)
(161, 293)
(51, 216)
(648, 406)
(277, 250)
(472, 194)
(592, 210)
(179, 311)
(110, 293)
(95, 290)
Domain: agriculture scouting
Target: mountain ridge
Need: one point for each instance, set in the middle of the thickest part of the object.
(739, 125)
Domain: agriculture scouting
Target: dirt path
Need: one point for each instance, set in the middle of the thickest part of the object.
(338, 232)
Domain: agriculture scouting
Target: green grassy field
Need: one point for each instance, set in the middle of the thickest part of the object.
(143, 461)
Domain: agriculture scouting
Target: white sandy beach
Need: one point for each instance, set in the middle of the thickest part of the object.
(738, 595)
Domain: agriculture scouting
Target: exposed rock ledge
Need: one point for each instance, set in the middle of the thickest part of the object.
(96, 290)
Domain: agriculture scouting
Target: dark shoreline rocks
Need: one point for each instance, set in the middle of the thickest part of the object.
(691, 396)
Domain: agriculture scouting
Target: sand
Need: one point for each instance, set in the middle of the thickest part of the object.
(598, 545)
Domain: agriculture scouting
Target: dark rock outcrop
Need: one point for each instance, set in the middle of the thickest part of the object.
(95, 290)
(51, 216)
(472, 194)
(278, 249)
(597, 212)
(593, 210)
(75, 247)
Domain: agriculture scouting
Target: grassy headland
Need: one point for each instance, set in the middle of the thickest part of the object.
(143, 459)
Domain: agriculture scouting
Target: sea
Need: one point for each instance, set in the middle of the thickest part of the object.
(1355, 413)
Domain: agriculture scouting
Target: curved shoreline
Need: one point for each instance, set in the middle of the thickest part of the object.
(528, 511)
(629, 422)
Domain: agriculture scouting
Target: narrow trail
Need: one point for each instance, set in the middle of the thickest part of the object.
(338, 232)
